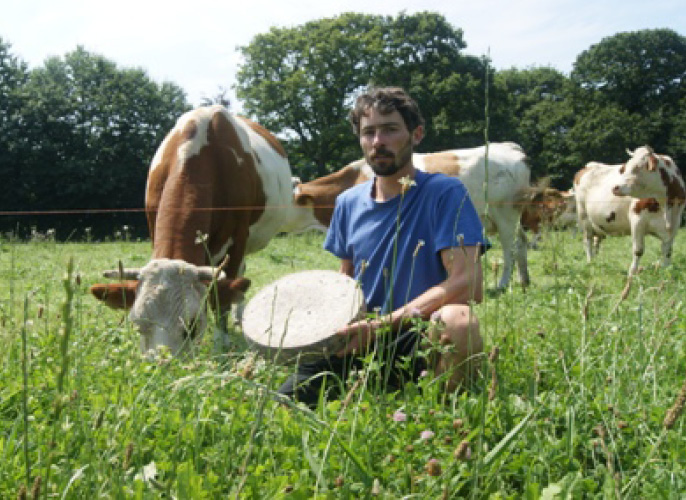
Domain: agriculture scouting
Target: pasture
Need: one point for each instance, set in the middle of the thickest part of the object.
(582, 388)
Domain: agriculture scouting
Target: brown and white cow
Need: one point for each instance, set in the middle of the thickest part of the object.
(547, 207)
(218, 186)
(508, 183)
(644, 196)
(314, 200)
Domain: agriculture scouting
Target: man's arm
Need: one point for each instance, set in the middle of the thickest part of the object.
(463, 285)
(347, 267)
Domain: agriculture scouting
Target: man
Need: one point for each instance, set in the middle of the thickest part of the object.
(413, 240)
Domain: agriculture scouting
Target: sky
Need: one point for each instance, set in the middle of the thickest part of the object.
(194, 43)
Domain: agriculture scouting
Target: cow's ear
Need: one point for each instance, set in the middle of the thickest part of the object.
(304, 200)
(240, 284)
(116, 295)
(231, 291)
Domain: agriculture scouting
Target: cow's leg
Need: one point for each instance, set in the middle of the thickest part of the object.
(584, 224)
(506, 221)
(664, 229)
(521, 255)
(234, 269)
(535, 238)
(507, 243)
(673, 218)
(597, 240)
(667, 244)
(638, 244)
(590, 240)
(239, 307)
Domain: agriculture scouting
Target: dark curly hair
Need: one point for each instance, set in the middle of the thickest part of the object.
(386, 100)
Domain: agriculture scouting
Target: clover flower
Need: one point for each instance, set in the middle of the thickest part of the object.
(415, 312)
(433, 467)
(399, 416)
(463, 451)
(425, 435)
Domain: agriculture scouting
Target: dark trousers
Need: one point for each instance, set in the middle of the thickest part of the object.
(398, 359)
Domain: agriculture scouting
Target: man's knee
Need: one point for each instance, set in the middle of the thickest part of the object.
(458, 325)
(457, 328)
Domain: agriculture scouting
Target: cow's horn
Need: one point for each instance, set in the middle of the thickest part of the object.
(123, 274)
(208, 273)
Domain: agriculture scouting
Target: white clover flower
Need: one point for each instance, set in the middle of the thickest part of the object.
(200, 238)
(406, 183)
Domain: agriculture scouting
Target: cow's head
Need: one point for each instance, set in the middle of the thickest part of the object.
(640, 177)
(313, 206)
(543, 204)
(313, 202)
(167, 299)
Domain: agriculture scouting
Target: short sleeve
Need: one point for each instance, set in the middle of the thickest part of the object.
(336, 236)
(458, 223)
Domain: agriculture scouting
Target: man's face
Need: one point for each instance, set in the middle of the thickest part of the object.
(386, 143)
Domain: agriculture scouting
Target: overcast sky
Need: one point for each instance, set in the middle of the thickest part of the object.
(193, 43)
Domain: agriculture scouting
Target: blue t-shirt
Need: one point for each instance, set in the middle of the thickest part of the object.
(432, 215)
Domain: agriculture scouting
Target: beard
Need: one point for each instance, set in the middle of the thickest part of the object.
(385, 164)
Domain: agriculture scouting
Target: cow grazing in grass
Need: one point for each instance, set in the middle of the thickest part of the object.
(508, 184)
(547, 207)
(644, 196)
(219, 186)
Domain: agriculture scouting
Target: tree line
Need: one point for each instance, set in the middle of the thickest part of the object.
(78, 133)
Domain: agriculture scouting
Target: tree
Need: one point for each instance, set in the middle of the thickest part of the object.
(13, 75)
(422, 53)
(641, 73)
(93, 129)
(219, 98)
(528, 87)
(676, 142)
(301, 82)
(604, 132)
(298, 82)
(538, 101)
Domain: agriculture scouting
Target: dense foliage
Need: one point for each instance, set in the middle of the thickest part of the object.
(624, 92)
(78, 132)
(81, 133)
(301, 81)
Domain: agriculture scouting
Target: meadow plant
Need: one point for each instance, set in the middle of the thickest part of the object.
(588, 401)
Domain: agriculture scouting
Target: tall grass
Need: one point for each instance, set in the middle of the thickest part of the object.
(586, 378)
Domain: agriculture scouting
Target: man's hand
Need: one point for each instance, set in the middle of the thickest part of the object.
(358, 337)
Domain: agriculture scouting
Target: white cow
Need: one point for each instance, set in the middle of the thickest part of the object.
(646, 195)
(505, 193)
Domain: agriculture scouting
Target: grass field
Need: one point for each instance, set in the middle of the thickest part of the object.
(583, 400)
